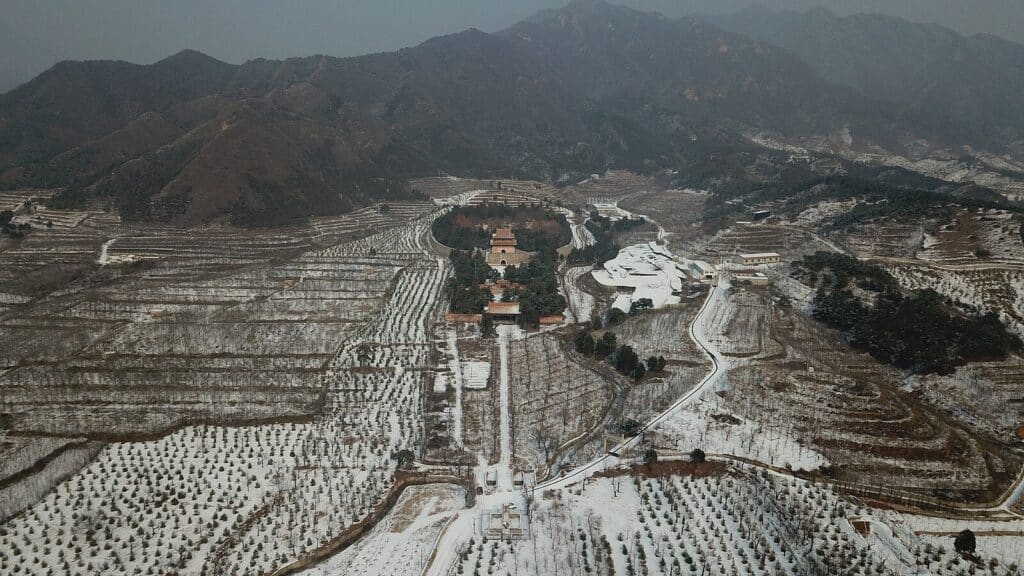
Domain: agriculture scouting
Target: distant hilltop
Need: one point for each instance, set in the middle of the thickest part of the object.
(561, 95)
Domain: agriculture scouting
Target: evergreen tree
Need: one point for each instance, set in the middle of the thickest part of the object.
(638, 372)
(584, 343)
(487, 326)
(965, 542)
(606, 345)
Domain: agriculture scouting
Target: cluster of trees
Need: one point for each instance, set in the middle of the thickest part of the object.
(915, 332)
(134, 187)
(9, 228)
(539, 295)
(895, 202)
(404, 458)
(536, 228)
(605, 246)
(463, 289)
(324, 190)
(616, 316)
(487, 329)
(70, 198)
(656, 363)
(544, 231)
(965, 543)
(641, 304)
(919, 331)
(906, 204)
(839, 271)
(881, 192)
(627, 427)
(625, 360)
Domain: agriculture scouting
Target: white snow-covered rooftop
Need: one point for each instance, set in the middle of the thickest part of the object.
(702, 266)
(645, 271)
(623, 302)
(659, 249)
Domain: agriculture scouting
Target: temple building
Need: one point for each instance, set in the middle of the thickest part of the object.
(503, 250)
(503, 311)
(503, 241)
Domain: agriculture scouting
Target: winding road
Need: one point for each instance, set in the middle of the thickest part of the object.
(608, 460)
(463, 526)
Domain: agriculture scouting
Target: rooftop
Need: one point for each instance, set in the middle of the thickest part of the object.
(503, 234)
(642, 271)
(503, 308)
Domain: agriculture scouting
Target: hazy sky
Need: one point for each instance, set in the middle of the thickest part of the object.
(35, 34)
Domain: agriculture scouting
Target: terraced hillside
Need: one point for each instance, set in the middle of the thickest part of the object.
(168, 327)
(853, 410)
(335, 465)
(213, 318)
(754, 238)
(555, 399)
(797, 397)
(678, 212)
(885, 239)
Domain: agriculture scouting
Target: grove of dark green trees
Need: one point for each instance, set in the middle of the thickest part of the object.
(915, 330)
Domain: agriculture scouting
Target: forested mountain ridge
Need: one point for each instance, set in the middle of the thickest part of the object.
(975, 82)
(565, 93)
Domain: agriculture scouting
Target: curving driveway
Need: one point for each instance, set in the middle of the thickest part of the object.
(697, 333)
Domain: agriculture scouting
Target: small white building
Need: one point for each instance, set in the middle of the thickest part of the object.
(760, 258)
(608, 209)
(701, 270)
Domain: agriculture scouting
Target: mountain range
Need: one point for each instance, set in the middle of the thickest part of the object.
(560, 95)
(974, 81)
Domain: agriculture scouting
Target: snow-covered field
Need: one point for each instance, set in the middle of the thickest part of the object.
(350, 327)
(404, 540)
(709, 426)
(736, 523)
(257, 497)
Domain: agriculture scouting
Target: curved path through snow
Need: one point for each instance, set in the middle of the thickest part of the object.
(698, 334)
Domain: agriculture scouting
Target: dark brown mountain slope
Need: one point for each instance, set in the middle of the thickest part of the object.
(77, 102)
(694, 73)
(563, 94)
(975, 81)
